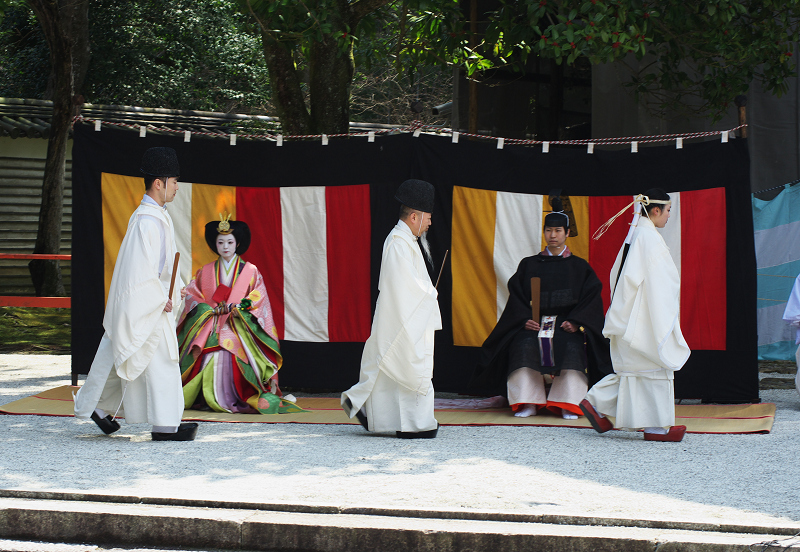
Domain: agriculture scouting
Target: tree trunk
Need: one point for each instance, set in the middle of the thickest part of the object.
(285, 83)
(65, 27)
(331, 68)
(331, 73)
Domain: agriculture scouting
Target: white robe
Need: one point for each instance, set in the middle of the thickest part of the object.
(395, 386)
(792, 315)
(642, 325)
(140, 343)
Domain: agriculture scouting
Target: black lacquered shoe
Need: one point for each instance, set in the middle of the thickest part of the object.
(186, 432)
(430, 434)
(108, 425)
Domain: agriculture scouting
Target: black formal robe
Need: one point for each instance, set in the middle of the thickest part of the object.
(570, 290)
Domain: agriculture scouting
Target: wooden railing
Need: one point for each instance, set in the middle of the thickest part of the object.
(24, 301)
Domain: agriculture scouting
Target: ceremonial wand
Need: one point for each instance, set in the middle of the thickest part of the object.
(174, 273)
(441, 269)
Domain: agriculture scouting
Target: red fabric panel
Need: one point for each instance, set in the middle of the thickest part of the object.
(260, 208)
(703, 269)
(603, 252)
(348, 221)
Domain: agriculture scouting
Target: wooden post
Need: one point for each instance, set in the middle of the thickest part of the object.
(741, 103)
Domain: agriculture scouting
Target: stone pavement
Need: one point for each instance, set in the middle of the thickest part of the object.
(335, 487)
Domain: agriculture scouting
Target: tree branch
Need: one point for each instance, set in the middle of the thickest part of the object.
(361, 8)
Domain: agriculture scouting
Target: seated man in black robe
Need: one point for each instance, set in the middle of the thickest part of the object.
(512, 362)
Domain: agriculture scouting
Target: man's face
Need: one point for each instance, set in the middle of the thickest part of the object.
(426, 221)
(172, 188)
(414, 222)
(555, 236)
(660, 216)
(226, 246)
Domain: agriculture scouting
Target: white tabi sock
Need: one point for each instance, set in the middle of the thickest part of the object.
(165, 429)
(526, 411)
(100, 412)
(656, 430)
(567, 415)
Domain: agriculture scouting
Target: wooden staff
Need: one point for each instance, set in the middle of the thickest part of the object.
(441, 269)
(536, 286)
(174, 273)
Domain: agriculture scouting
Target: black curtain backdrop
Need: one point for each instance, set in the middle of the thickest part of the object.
(713, 376)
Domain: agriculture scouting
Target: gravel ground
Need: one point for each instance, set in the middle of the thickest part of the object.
(745, 479)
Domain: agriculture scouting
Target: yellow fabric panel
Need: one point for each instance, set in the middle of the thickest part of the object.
(474, 281)
(208, 201)
(121, 195)
(580, 210)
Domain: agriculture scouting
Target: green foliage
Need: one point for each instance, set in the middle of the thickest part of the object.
(24, 56)
(207, 54)
(701, 53)
(182, 54)
(371, 38)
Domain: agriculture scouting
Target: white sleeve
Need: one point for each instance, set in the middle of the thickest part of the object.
(792, 312)
(151, 231)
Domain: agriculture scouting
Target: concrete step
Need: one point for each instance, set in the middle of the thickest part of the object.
(204, 525)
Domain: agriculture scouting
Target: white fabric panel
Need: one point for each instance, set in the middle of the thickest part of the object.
(181, 212)
(672, 231)
(771, 326)
(305, 263)
(517, 234)
(779, 245)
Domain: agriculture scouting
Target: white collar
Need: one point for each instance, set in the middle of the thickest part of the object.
(150, 201)
(406, 229)
(644, 220)
(226, 265)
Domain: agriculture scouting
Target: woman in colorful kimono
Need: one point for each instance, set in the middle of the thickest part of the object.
(229, 350)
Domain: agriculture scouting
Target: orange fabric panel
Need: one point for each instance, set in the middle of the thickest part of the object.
(474, 280)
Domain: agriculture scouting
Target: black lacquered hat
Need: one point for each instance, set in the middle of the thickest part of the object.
(160, 162)
(416, 194)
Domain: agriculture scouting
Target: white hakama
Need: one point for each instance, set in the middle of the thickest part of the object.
(394, 384)
(136, 368)
(643, 328)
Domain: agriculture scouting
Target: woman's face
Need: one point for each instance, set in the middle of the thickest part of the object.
(226, 246)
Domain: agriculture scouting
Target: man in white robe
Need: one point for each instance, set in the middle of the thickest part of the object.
(643, 327)
(135, 370)
(395, 392)
(792, 315)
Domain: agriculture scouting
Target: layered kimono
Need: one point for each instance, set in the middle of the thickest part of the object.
(230, 362)
(570, 290)
(643, 327)
(138, 355)
(395, 386)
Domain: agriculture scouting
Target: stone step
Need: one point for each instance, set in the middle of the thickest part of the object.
(189, 525)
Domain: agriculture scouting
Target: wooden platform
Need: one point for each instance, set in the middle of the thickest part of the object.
(707, 418)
